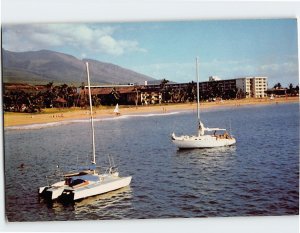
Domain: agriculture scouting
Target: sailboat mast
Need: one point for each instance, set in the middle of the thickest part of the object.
(198, 94)
(91, 109)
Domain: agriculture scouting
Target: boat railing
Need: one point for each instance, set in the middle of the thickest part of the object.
(111, 170)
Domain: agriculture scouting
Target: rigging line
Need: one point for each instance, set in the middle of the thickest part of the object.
(82, 78)
(91, 114)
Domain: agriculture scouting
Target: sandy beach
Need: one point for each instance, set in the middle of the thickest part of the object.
(56, 115)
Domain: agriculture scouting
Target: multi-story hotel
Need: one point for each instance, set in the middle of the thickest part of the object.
(259, 87)
(255, 87)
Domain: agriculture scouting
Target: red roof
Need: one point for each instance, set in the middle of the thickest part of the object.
(108, 90)
(60, 100)
(23, 86)
(101, 91)
(125, 90)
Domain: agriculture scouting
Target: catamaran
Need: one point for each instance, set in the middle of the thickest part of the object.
(89, 182)
(203, 140)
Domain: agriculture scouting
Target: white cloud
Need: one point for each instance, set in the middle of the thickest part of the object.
(288, 67)
(110, 45)
(285, 72)
(72, 36)
(174, 71)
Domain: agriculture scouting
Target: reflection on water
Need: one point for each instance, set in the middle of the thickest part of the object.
(108, 198)
(221, 158)
(112, 205)
(209, 151)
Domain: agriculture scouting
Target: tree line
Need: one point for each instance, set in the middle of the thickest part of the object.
(69, 96)
(290, 90)
(33, 101)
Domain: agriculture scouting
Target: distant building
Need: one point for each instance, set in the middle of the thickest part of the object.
(214, 78)
(109, 95)
(27, 88)
(259, 87)
(277, 92)
(151, 97)
(244, 85)
(220, 85)
(254, 87)
(60, 102)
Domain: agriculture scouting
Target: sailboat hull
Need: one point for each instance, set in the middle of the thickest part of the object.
(205, 141)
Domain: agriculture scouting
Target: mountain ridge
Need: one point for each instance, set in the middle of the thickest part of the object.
(46, 66)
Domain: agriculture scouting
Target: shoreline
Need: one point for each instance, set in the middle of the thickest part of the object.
(59, 115)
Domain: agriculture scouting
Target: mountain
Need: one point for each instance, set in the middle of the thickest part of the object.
(45, 66)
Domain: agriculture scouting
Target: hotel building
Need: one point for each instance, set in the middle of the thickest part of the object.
(254, 87)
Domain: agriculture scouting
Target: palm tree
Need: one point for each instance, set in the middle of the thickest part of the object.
(163, 88)
(49, 85)
(191, 91)
(297, 89)
(277, 86)
(163, 83)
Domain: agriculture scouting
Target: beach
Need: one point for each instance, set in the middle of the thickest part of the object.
(65, 114)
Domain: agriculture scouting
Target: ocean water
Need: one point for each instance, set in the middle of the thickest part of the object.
(259, 176)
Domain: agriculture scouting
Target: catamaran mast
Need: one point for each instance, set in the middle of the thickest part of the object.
(91, 109)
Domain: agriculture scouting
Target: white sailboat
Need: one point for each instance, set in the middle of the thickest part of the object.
(116, 110)
(88, 182)
(203, 140)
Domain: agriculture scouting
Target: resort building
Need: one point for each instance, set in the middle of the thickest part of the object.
(254, 87)
(215, 88)
(244, 85)
(27, 88)
(259, 87)
(112, 95)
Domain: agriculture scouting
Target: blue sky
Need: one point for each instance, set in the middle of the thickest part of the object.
(226, 48)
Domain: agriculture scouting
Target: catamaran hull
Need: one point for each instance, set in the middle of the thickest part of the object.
(51, 193)
(95, 189)
(193, 143)
(66, 193)
(54, 191)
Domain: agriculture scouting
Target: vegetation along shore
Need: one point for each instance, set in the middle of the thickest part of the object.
(65, 114)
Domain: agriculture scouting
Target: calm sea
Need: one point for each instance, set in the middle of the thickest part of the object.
(258, 176)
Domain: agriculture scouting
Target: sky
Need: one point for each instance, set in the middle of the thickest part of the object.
(226, 48)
